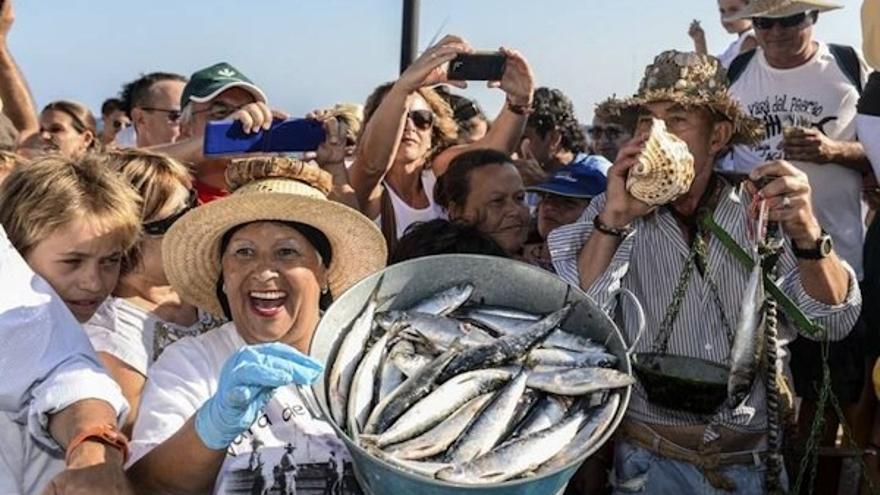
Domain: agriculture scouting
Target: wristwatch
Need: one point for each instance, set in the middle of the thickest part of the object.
(823, 248)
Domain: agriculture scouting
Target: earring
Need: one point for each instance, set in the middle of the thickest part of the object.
(223, 288)
(325, 289)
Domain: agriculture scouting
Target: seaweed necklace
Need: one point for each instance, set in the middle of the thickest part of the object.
(697, 258)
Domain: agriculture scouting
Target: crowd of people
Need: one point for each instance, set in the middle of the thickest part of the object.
(158, 302)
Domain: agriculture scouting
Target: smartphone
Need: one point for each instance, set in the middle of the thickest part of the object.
(481, 66)
(293, 135)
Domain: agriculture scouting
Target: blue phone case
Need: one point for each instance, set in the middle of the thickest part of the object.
(293, 135)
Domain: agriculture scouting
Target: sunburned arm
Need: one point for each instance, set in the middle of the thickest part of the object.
(18, 103)
(182, 464)
(377, 149)
(130, 381)
(597, 254)
(852, 155)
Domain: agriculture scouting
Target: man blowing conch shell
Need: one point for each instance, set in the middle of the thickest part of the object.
(690, 283)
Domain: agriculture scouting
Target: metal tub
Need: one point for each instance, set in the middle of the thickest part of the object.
(498, 281)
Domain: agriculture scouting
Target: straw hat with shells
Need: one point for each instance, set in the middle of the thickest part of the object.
(269, 188)
(781, 8)
(692, 80)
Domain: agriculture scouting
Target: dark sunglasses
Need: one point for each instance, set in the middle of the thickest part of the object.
(784, 22)
(611, 132)
(120, 125)
(173, 115)
(160, 227)
(422, 119)
(219, 111)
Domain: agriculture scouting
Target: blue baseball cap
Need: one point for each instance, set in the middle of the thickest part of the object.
(582, 179)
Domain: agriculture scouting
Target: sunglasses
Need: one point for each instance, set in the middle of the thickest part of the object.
(173, 115)
(784, 22)
(611, 132)
(160, 227)
(422, 119)
(219, 111)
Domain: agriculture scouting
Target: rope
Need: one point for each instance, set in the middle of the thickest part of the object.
(774, 435)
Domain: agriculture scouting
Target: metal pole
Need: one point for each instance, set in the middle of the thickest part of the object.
(409, 36)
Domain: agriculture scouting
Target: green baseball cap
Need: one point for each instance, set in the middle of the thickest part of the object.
(207, 83)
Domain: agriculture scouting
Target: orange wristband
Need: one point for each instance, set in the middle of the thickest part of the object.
(106, 434)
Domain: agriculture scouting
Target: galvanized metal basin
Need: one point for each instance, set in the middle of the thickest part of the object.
(498, 281)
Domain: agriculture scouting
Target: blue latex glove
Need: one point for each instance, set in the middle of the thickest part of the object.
(247, 382)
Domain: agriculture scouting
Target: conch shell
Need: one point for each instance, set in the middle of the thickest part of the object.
(665, 168)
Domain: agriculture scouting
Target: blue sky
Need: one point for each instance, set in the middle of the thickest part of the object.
(312, 53)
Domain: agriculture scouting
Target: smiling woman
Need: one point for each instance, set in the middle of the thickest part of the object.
(483, 188)
(73, 222)
(218, 407)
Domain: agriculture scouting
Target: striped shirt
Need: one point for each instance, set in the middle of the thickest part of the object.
(649, 261)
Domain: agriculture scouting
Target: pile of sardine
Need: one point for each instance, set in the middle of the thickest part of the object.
(470, 393)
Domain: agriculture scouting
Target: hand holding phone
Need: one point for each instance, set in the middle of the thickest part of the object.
(480, 66)
(285, 136)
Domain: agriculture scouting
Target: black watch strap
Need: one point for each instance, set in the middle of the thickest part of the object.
(822, 250)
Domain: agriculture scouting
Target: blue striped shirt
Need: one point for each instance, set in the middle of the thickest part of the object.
(648, 262)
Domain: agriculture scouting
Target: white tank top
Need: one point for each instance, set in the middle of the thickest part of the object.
(404, 214)
(733, 50)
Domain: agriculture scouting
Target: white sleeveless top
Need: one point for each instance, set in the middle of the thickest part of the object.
(733, 50)
(404, 214)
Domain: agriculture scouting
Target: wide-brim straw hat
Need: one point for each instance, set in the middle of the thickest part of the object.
(692, 80)
(781, 8)
(267, 189)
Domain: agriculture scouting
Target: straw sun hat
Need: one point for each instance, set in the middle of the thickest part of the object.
(781, 8)
(692, 80)
(273, 188)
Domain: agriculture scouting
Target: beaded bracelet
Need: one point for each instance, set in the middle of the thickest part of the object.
(609, 230)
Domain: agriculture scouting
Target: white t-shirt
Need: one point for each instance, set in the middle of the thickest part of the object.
(135, 336)
(819, 95)
(735, 48)
(186, 375)
(405, 215)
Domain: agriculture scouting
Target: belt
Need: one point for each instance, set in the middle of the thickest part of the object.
(685, 443)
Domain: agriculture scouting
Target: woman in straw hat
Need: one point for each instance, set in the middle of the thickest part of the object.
(267, 257)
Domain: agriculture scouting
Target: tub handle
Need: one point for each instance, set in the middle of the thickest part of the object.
(641, 322)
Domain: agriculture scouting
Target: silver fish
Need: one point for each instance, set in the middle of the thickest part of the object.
(489, 427)
(505, 348)
(504, 325)
(361, 395)
(436, 440)
(444, 301)
(597, 423)
(408, 393)
(745, 355)
(348, 357)
(570, 359)
(439, 404)
(517, 456)
(501, 311)
(390, 377)
(404, 356)
(440, 331)
(546, 413)
(579, 381)
(523, 409)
